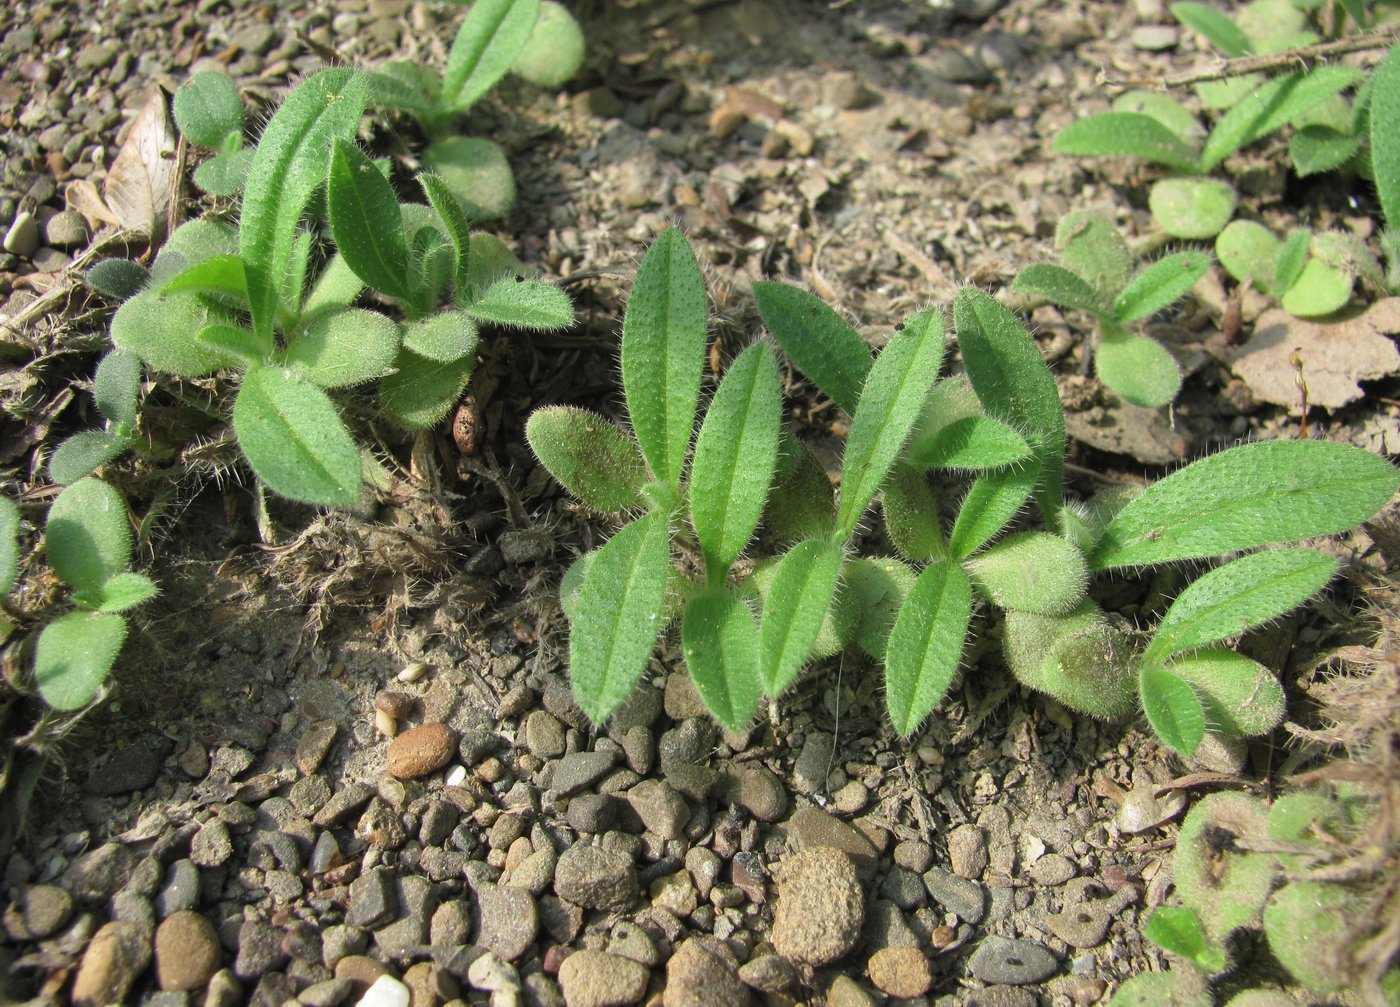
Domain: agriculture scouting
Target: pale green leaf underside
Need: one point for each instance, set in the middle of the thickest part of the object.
(793, 612)
(1172, 709)
(159, 330)
(921, 657)
(590, 456)
(1241, 698)
(1138, 368)
(1031, 571)
(74, 656)
(720, 641)
(88, 535)
(872, 589)
(911, 515)
(821, 344)
(294, 439)
(86, 450)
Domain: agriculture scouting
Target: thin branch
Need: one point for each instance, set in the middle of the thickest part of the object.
(1289, 59)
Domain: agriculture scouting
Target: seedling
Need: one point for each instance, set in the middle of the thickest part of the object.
(115, 389)
(1310, 275)
(88, 540)
(209, 113)
(537, 40)
(1095, 278)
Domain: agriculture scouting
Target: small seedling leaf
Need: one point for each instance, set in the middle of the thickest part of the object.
(925, 644)
(87, 534)
(1248, 250)
(1192, 208)
(1166, 110)
(234, 343)
(992, 501)
(119, 278)
(1136, 367)
(720, 641)
(591, 456)
(1092, 247)
(74, 656)
(1291, 257)
(220, 275)
(523, 303)
(1238, 596)
(9, 545)
(1385, 135)
(421, 392)
(454, 218)
(1176, 929)
(1270, 106)
(1241, 698)
(160, 331)
(1058, 285)
(911, 515)
(365, 220)
(1173, 710)
(85, 451)
(821, 344)
(225, 174)
(1315, 149)
(890, 403)
(335, 288)
(797, 602)
(1248, 496)
(735, 457)
(617, 617)
(115, 387)
(342, 348)
(487, 44)
(1219, 30)
(1163, 283)
(400, 85)
(1031, 571)
(1126, 134)
(209, 112)
(444, 336)
(1319, 290)
(663, 351)
(294, 439)
(953, 432)
(123, 591)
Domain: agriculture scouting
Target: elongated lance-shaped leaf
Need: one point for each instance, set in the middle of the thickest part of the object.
(663, 353)
(890, 404)
(992, 501)
(1219, 30)
(1015, 386)
(1385, 135)
(735, 456)
(527, 304)
(911, 515)
(1289, 260)
(455, 218)
(720, 641)
(75, 655)
(490, 38)
(397, 86)
(87, 534)
(1126, 134)
(820, 342)
(365, 220)
(617, 616)
(925, 644)
(1238, 596)
(9, 544)
(1058, 285)
(1176, 929)
(797, 602)
(289, 166)
(1248, 496)
(1271, 106)
(1138, 368)
(294, 439)
(590, 456)
(115, 387)
(1173, 709)
(1164, 282)
(953, 432)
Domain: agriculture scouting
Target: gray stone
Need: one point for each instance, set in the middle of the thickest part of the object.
(451, 925)
(341, 941)
(544, 735)
(820, 906)
(660, 808)
(703, 973)
(101, 873)
(914, 855)
(1001, 996)
(639, 749)
(688, 744)
(1004, 961)
(631, 941)
(505, 920)
(638, 710)
(593, 814)
(681, 700)
(343, 803)
(596, 878)
(697, 783)
(1052, 869)
(37, 912)
(536, 871)
(967, 851)
(758, 790)
(810, 827)
(259, 949)
(704, 866)
(579, 771)
(967, 899)
(133, 907)
(371, 899)
(813, 762)
(886, 927)
(904, 888)
(768, 973)
(180, 889)
(327, 993)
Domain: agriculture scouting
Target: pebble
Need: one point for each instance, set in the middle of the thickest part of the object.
(187, 951)
(580, 771)
(326, 993)
(38, 912)
(506, 920)
(820, 906)
(598, 979)
(904, 888)
(259, 949)
(1052, 869)
(99, 874)
(674, 893)
(592, 813)
(660, 808)
(687, 744)
(813, 761)
(768, 973)
(681, 701)
(914, 855)
(967, 851)
(386, 991)
(180, 889)
(846, 992)
(812, 827)
(596, 878)
(421, 750)
(1004, 961)
(967, 899)
(1154, 37)
(314, 744)
(544, 735)
(371, 899)
(1002, 996)
(900, 972)
(489, 973)
(703, 973)
(851, 798)
(758, 790)
(115, 956)
(65, 229)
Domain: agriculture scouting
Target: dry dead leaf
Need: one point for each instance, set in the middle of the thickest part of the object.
(1335, 355)
(139, 183)
(83, 197)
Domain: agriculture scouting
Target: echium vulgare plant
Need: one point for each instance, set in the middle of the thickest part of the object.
(249, 298)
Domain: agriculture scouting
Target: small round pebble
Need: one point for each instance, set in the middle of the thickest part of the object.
(421, 750)
(820, 906)
(1004, 961)
(386, 991)
(598, 979)
(900, 972)
(596, 878)
(187, 952)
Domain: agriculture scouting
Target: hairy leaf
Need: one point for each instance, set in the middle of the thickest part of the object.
(1385, 135)
(403, 85)
(1032, 571)
(523, 303)
(875, 587)
(444, 336)
(294, 439)
(992, 501)
(911, 516)
(1219, 30)
(1271, 106)
(954, 433)
(343, 348)
(1164, 282)
(115, 387)
(802, 503)
(365, 220)
(1058, 285)
(1241, 698)
(1126, 134)
(921, 657)
(9, 544)
(122, 591)
(1248, 250)
(458, 229)
(821, 344)
(335, 288)
(219, 275)
(234, 343)
(720, 641)
(591, 456)
(1138, 368)
(1172, 709)
(421, 392)
(74, 656)
(87, 534)
(1176, 929)
(209, 112)
(1192, 208)
(85, 451)
(1091, 246)
(487, 44)
(797, 602)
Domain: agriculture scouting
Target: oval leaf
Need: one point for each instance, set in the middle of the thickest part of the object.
(1032, 571)
(1172, 709)
(821, 344)
(445, 336)
(591, 456)
(925, 644)
(160, 330)
(1136, 367)
(78, 455)
(342, 348)
(295, 440)
(75, 655)
(523, 303)
(911, 514)
(1241, 698)
(421, 392)
(720, 643)
(87, 534)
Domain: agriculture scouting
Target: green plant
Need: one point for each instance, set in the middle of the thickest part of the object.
(1385, 157)
(88, 540)
(209, 113)
(248, 299)
(1096, 278)
(1309, 274)
(115, 389)
(537, 40)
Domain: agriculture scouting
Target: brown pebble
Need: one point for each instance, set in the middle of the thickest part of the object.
(942, 936)
(421, 750)
(901, 972)
(361, 970)
(187, 952)
(395, 704)
(490, 770)
(313, 745)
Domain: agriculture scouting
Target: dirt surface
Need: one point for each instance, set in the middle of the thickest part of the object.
(879, 154)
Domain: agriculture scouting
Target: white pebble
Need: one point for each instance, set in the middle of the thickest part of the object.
(385, 723)
(455, 776)
(413, 672)
(386, 992)
(490, 973)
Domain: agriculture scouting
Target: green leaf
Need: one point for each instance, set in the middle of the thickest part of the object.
(1247, 496)
(295, 440)
(1031, 571)
(9, 545)
(736, 454)
(1320, 289)
(802, 590)
(115, 387)
(209, 112)
(1290, 259)
(1163, 283)
(1248, 250)
(525, 304)
(663, 351)
(1238, 596)
(455, 220)
(1315, 149)
(1271, 106)
(225, 174)
(925, 644)
(618, 616)
(402, 85)
(1058, 285)
(992, 501)
(119, 278)
(289, 166)
(335, 288)
(874, 588)
(444, 336)
(554, 51)
(1385, 135)
(1176, 929)
(890, 404)
(1172, 709)
(421, 392)
(123, 591)
(74, 656)
(1241, 698)
(911, 515)
(476, 172)
(1136, 367)
(218, 275)
(821, 344)
(954, 433)
(87, 534)
(234, 343)
(802, 503)
(1192, 208)
(342, 348)
(720, 643)
(487, 44)
(591, 456)
(78, 455)
(1166, 110)
(1126, 134)
(1015, 386)
(1082, 659)
(1092, 247)
(365, 220)
(1219, 30)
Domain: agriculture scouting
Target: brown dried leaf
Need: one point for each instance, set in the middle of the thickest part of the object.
(1335, 355)
(83, 197)
(139, 182)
